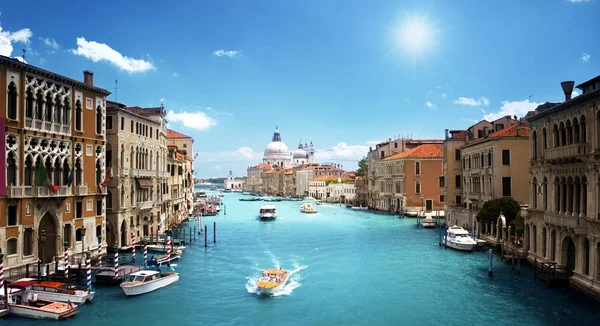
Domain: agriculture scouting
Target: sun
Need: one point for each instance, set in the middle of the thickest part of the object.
(415, 35)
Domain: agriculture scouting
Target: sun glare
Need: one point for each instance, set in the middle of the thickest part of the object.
(415, 35)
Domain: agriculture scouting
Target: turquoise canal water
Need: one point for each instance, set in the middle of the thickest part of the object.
(351, 268)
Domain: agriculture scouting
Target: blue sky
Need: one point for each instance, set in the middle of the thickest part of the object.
(339, 73)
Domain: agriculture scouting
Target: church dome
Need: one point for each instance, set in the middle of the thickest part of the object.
(300, 153)
(276, 148)
(277, 152)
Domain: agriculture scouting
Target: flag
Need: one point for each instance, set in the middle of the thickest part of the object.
(107, 179)
(70, 179)
(196, 155)
(42, 179)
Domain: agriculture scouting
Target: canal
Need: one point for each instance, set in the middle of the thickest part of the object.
(351, 268)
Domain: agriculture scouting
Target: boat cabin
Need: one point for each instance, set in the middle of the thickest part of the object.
(142, 276)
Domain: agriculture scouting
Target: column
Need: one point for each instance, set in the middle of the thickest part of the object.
(582, 197)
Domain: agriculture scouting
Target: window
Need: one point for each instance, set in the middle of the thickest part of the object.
(505, 157)
(11, 246)
(89, 205)
(12, 215)
(67, 114)
(67, 234)
(28, 242)
(131, 126)
(99, 233)
(442, 199)
(479, 133)
(417, 168)
(78, 115)
(442, 181)
(122, 123)
(417, 187)
(79, 209)
(382, 154)
(29, 103)
(499, 126)
(98, 207)
(12, 101)
(78, 236)
(457, 181)
(150, 132)
(457, 154)
(506, 187)
(109, 123)
(489, 158)
(89, 104)
(395, 145)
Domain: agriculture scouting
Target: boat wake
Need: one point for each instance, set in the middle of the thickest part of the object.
(291, 285)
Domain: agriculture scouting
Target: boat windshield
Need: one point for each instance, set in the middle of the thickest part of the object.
(462, 235)
(129, 278)
(139, 278)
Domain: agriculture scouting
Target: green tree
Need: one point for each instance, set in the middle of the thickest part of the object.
(492, 209)
(363, 165)
(518, 224)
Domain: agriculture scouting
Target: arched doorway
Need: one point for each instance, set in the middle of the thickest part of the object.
(111, 235)
(123, 233)
(568, 254)
(47, 237)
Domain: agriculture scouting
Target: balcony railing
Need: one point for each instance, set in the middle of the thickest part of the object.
(145, 205)
(561, 220)
(142, 173)
(125, 172)
(80, 190)
(564, 152)
(34, 191)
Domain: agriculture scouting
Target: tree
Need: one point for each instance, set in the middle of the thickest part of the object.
(492, 209)
(518, 224)
(363, 165)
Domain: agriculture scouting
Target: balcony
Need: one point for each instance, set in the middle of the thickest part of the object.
(566, 154)
(564, 221)
(80, 190)
(142, 173)
(166, 197)
(145, 205)
(124, 172)
(34, 191)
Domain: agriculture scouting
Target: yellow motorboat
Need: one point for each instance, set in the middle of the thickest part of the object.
(272, 280)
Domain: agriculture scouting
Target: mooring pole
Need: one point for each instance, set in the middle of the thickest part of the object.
(205, 237)
(490, 256)
(215, 232)
(440, 235)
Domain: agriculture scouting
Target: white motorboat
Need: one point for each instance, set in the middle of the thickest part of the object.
(272, 281)
(428, 221)
(22, 302)
(360, 208)
(61, 292)
(459, 239)
(163, 247)
(307, 209)
(268, 212)
(147, 281)
(221, 194)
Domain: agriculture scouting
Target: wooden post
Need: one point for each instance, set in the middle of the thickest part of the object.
(490, 256)
(519, 266)
(214, 232)
(205, 236)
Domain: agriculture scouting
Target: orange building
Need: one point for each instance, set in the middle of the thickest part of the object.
(53, 164)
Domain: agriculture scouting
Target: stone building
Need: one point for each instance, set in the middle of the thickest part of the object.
(255, 178)
(361, 191)
(177, 209)
(137, 154)
(53, 164)
(184, 145)
(562, 224)
(234, 184)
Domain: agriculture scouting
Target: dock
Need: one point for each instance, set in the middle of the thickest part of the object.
(550, 274)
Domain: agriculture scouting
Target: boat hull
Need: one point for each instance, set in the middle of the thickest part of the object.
(460, 246)
(150, 286)
(273, 290)
(308, 211)
(61, 297)
(31, 312)
(3, 312)
(428, 223)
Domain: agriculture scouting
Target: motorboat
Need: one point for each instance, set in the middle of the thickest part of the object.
(221, 194)
(411, 214)
(307, 209)
(272, 281)
(309, 198)
(428, 221)
(267, 212)
(58, 291)
(23, 302)
(458, 238)
(319, 203)
(175, 255)
(227, 190)
(143, 282)
(360, 208)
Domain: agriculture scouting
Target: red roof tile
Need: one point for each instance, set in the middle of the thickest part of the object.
(517, 130)
(423, 151)
(145, 111)
(175, 134)
(461, 135)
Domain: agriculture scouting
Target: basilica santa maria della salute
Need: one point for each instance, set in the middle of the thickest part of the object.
(277, 153)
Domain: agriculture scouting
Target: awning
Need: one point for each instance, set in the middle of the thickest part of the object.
(145, 183)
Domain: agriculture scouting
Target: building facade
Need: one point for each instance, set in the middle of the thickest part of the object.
(563, 221)
(255, 177)
(184, 146)
(53, 166)
(341, 191)
(233, 183)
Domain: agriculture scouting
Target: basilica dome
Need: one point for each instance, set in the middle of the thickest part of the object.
(277, 153)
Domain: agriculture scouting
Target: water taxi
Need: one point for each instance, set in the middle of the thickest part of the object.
(459, 239)
(272, 281)
(307, 208)
(23, 303)
(146, 281)
(58, 291)
(221, 194)
(267, 212)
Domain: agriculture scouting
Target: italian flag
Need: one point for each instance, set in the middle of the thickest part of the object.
(42, 179)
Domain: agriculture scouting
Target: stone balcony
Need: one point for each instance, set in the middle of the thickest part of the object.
(565, 154)
(35, 192)
(166, 197)
(567, 221)
(80, 190)
(143, 173)
(145, 205)
(124, 172)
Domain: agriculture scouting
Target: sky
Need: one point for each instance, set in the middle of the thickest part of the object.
(344, 74)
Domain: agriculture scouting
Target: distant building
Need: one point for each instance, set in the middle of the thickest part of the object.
(234, 184)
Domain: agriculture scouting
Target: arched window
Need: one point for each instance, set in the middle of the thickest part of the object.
(67, 115)
(49, 107)
(131, 156)
(489, 158)
(534, 145)
(98, 172)
(545, 194)
(66, 173)
(28, 176)
(29, 103)
(11, 170)
(78, 114)
(99, 233)
(78, 172)
(11, 246)
(555, 135)
(56, 173)
(417, 187)
(39, 106)
(582, 124)
(544, 139)
(58, 109)
(12, 101)
(99, 120)
(417, 168)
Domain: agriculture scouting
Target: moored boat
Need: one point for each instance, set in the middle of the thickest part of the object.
(58, 291)
(272, 281)
(307, 209)
(459, 239)
(143, 282)
(267, 212)
(22, 302)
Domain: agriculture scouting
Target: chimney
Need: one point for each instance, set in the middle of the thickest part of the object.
(88, 78)
(567, 87)
(446, 131)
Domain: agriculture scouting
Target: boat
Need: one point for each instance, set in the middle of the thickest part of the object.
(360, 208)
(58, 291)
(309, 198)
(175, 255)
(319, 203)
(272, 281)
(411, 214)
(428, 221)
(307, 209)
(143, 282)
(348, 206)
(227, 190)
(23, 303)
(267, 212)
(221, 194)
(459, 239)
(245, 193)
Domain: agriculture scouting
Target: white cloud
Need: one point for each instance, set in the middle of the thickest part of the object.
(578, 1)
(470, 120)
(175, 74)
(574, 94)
(585, 58)
(430, 105)
(208, 108)
(472, 102)
(162, 100)
(7, 38)
(50, 42)
(373, 142)
(518, 108)
(101, 52)
(195, 120)
(42, 61)
(240, 154)
(342, 151)
(225, 53)
(444, 95)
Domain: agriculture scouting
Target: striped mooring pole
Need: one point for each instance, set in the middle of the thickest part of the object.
(66, 261)
(145, 252)
(99, 255)
(169, 251)
(133, 247)
(89, 271)
(2, 273)
(116, 260)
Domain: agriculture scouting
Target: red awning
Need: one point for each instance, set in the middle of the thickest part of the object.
(145, 183)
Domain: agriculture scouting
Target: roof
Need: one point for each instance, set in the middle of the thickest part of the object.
(461, 135)
(586, 83)
(269, 172)
(290, 172)
(325, 178)
(113, 104)
(267, 207)
(261, 166)
(517, 130)
(145, 111)
(422, 151)
(175, 134)
(48, 74)
(21, 284)
(581, 99)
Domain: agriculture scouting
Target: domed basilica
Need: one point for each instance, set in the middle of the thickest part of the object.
(278, 154)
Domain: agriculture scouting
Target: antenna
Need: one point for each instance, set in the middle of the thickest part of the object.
(116, 90)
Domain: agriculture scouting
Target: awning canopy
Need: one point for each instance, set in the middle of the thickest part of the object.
(144, 183)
